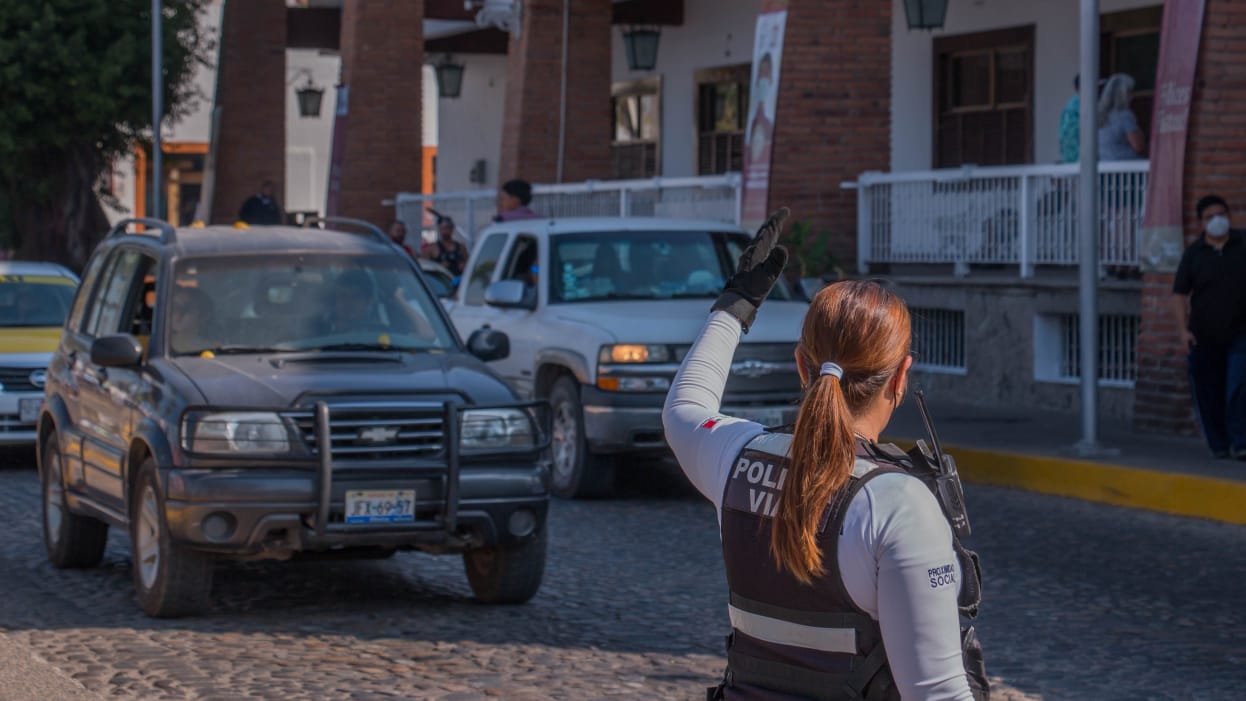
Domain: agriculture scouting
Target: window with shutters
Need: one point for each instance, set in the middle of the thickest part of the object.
(637, 128)
(984, 98)
(722, 105)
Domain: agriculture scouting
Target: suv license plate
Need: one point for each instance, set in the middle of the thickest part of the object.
(28, 409)
(380, 506)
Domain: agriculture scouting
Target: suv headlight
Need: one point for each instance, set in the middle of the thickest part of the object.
(262, 433)
(494, 429)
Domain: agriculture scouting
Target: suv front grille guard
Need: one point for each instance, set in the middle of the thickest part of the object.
(450, 416)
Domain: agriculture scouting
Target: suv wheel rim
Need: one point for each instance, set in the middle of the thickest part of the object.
(53, 501)
(148, 540)
(565, 442)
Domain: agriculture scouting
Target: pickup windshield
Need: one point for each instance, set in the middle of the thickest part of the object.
(301, 302)
(631, 265)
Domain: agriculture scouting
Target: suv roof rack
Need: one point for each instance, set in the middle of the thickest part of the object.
(367, 226)
(167, 233)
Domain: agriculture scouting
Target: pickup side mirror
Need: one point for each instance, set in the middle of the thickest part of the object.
(489, 344)
(510, 294)
(119, 351)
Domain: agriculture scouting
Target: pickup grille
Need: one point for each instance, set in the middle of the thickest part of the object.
(371, 433)
(764, 367)
(18, 380)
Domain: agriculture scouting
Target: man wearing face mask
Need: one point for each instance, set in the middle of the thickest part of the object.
(1210, 306)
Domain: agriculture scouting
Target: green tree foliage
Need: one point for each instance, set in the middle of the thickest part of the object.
(75, 93)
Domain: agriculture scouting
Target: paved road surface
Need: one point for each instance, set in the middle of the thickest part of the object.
(1083, 601)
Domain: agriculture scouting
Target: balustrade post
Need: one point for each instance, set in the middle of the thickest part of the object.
(1024, 232)
(864, 222)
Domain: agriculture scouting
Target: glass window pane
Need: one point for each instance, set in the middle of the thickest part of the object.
(1138, 56)
(649, 115)
(970, 80)
(482, 271)
(1012, 77)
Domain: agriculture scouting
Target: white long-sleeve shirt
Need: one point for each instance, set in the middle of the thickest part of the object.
(896, 546)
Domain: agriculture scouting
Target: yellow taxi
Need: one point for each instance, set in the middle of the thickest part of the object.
(34, 300)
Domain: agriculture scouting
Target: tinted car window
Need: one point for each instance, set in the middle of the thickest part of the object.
(34, 300)
(482, 269)
(645, 265)
(300, 302)
(109, 305)
(78, 311)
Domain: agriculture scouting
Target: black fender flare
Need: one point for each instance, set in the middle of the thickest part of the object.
(152, 439)
(54, 415)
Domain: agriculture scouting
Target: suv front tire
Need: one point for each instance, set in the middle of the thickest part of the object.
(170, 579)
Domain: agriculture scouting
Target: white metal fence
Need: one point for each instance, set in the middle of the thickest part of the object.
(1009, 215)
(709, 197)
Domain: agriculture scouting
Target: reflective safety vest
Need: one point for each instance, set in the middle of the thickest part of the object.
(790, 640)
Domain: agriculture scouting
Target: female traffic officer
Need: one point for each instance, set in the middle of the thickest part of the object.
(842, 576)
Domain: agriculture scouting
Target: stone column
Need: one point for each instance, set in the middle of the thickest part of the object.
(382, 50)
(251, 94)
(530, 132)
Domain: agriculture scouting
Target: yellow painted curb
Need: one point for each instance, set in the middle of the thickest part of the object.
(1179, 494)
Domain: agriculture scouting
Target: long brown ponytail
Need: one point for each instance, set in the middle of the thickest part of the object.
(864, 328)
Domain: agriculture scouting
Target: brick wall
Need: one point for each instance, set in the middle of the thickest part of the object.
(1214, 164)
(382, 47)
(833, 117)
(251, 92)
(534, 72)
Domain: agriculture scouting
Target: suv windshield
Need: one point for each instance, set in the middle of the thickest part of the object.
(35, 300)
(645, 265)
(301, 302)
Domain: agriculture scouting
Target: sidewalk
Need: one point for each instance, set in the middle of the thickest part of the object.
(1034, 450)
(24, 677)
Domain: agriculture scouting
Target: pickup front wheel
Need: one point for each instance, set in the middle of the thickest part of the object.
(576, 471)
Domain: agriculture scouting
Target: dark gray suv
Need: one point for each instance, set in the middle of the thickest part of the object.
(263, 392)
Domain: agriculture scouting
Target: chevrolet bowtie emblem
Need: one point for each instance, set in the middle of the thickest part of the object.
(752, 369)
(377, 435)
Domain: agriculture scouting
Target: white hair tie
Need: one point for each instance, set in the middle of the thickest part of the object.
(833, 370)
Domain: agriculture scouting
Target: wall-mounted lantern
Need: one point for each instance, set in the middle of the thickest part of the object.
(449, 77)
(925, 14)
(641, 44)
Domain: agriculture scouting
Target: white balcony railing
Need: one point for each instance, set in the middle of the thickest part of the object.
(1011, 215)
(708, 197)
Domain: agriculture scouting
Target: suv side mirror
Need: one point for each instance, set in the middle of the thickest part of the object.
(489, 344)
(510, 294)
(119, 351)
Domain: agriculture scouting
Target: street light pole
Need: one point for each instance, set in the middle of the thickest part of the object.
(1088, 219)
(157, 108)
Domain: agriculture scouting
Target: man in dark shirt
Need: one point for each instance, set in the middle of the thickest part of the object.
(1210, 306)
(261, 209)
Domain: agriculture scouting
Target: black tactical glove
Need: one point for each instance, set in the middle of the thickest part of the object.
(760, 266)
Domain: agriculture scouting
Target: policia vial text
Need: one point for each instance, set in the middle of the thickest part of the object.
(756, 472)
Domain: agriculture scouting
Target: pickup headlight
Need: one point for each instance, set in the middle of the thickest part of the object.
(252, 433)
(620, 367)
(495, 429)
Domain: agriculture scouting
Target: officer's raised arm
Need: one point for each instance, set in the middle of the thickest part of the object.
(699, 435)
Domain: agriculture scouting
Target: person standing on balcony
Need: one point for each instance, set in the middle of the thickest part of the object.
(513, 200)
(1120, 137)
(1210, 306)
(1070, 132)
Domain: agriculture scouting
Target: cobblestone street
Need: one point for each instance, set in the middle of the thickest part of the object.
(1083, 601)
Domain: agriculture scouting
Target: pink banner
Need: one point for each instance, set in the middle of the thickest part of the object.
(759, 132)
(338, 152)
(1162, 238)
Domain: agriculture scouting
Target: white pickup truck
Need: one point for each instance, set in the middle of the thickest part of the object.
(600, 312)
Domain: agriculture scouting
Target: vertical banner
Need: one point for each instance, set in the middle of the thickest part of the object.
(338, 152)
(759, 131)
(1162, 240)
